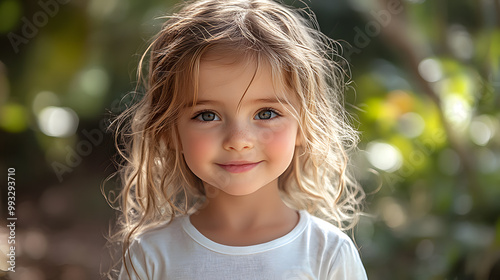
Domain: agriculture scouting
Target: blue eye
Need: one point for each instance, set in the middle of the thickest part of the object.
(207, 117)
(266, 114)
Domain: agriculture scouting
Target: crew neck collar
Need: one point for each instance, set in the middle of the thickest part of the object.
(198, 237)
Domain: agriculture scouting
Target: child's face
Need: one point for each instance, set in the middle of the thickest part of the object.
(238, 149)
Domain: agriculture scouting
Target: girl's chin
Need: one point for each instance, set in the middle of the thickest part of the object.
(233, 190)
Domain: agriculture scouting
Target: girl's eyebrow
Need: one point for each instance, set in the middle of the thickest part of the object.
(255, 101)
(270, 100)
(202, 102)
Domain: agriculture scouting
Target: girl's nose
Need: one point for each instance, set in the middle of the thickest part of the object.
(238, 138)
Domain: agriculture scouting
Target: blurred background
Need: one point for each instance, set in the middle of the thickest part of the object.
(424, 94)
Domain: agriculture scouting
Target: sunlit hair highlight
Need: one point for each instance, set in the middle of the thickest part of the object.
(157, 185)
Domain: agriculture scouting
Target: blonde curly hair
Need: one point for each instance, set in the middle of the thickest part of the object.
(158, 185)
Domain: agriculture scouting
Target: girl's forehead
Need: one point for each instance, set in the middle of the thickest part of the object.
(228, 58)
(248, 77)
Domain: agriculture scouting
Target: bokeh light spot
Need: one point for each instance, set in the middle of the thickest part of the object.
(460, 42)
(424, 249)
(13, 118)
(411, 125)
(487, 161)
(94, 81)
(392, 213)
(481, 130)
(35, 244)
(384, 156)
(44, 99)
(457, 111)
(430, 70)
(462, 204)
(480, 133)
(58, 121)
(104, 9)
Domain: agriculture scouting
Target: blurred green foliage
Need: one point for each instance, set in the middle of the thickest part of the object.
(424, 93)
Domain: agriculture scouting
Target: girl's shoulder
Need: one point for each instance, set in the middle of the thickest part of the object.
(157, 234)
(337, 249)
(327, 230)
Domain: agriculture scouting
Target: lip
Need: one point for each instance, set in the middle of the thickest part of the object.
(238, 166)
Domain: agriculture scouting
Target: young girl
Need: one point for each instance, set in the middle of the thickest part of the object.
(237, 153)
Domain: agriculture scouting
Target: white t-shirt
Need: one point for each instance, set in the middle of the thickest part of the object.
(314, 249)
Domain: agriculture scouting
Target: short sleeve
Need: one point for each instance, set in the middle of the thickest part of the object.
(135, 263)
(347, 264)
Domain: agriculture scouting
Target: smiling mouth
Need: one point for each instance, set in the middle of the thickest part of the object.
(239, 167)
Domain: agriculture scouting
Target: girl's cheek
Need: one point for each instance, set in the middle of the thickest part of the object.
(280, 138)
(274, 133)
(198, 144)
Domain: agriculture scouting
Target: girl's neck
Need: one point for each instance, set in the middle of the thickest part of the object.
(245, 220)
